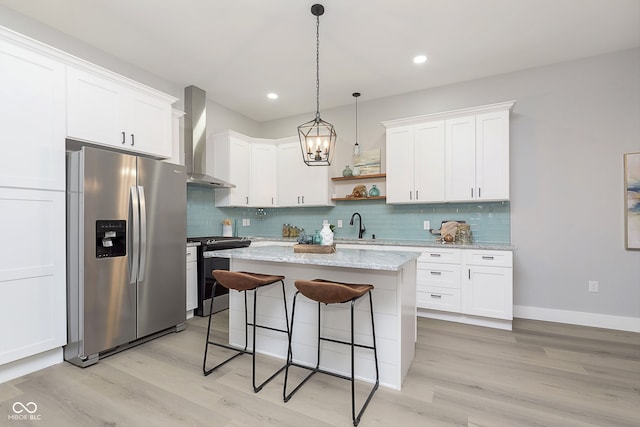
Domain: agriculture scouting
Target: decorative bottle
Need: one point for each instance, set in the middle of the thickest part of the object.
(374, 192)
(317, 238)
(347, 171)
(327, 235)
(356, 171)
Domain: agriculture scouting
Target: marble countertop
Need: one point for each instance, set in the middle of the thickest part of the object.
(350, 258)
(414, 243)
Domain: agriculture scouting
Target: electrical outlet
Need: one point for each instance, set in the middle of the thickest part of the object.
(339, 223)
(426, 225)
(593, 286)
(248, 222)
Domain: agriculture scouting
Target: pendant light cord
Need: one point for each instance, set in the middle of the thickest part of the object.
(317, 68)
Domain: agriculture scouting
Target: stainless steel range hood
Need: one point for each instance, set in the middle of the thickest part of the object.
(195, 134)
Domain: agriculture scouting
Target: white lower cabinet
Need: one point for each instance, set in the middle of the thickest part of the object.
(466, 281)
(487, 284)
(192, 278)
(32, 277)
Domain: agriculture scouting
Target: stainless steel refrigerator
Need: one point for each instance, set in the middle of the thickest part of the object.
(126, 231)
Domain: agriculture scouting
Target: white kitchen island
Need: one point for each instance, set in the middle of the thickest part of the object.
(393, 274)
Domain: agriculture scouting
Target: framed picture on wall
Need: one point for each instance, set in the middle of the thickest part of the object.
(632, 208)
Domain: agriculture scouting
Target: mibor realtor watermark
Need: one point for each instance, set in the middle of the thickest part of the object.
(24, 412)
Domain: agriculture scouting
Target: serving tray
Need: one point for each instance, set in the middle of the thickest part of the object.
(314, 249)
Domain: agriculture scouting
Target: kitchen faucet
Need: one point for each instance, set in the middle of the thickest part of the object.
(362, 228)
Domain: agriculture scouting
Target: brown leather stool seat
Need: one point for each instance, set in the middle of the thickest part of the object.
(242, 281)
(331, 292)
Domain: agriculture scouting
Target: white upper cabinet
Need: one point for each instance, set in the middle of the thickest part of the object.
(400, 170)
(229, 159)
(492, 155)
(455, 156)
(32, 96)
(262, 187)
(106, 111)
(298, 184)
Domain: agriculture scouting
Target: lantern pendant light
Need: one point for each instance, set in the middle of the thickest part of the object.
(317, 137)
(356, 147)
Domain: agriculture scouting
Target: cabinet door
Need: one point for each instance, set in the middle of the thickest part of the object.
(400, 163)
(429, 166)
(32, 276)
(32, 120)
(492, 155)
(488, 291)
(149, 125)
(291, 168)
(192, 278)
(315, 185)
(94, 109)
(231, 162)
(264, 158)
(461, 159)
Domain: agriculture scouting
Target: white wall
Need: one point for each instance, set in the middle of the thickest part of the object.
(570, 128)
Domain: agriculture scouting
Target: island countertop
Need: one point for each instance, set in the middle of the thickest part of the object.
(349, 258)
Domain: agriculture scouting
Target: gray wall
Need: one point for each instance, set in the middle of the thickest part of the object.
(569, 130)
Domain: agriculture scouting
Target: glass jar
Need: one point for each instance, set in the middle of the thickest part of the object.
(356, 171)
(317, 238)
(327, 235)
(375, 191)
(347, 171)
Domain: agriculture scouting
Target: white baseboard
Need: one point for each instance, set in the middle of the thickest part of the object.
(622, 323)
(30, 364)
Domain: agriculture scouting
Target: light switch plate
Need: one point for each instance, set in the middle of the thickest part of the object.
(339, 223)
(426, 225)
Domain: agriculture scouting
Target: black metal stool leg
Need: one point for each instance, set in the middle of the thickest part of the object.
(254, 324)
(208, 342)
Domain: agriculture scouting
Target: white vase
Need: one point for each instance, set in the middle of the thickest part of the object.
(327, 235)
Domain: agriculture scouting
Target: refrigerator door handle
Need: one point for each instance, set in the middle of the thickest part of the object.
(134, 235)
(143, 234)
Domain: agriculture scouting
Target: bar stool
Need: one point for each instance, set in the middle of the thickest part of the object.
(243, 282)
(328, 292)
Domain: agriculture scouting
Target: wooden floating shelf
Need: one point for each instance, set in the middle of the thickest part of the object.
(351, 178)
(357, 199)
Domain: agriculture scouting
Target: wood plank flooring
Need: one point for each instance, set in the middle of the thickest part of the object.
(540, 374)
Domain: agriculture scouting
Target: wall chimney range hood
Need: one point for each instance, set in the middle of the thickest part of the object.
(195, 135)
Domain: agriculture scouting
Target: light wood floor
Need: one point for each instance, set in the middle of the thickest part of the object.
(541, 374)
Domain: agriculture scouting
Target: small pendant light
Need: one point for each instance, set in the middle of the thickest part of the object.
(356, 147)
(317, 137)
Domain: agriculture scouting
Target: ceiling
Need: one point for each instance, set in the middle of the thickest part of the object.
(239, 50)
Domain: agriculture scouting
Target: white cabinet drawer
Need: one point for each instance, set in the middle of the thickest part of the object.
(192, 254)
(436, 298)
(488, 258)
(441, 275)
(448, 256)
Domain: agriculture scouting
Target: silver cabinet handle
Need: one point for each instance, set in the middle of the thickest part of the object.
(298, 199)
(247, 197)
(123, 138)
(436, 273)
(472, 193)
(435, 255)
(487, 257)
(437, 296)
(469, 274)
(410, 195)
(133, 140)
(303, 200)
(479, 192)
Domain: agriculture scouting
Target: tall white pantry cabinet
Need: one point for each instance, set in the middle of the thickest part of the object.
(32, 202)
(39, 110)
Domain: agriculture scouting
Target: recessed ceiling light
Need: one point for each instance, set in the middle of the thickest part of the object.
(272, 95)
(420, 59)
